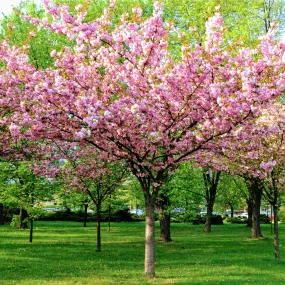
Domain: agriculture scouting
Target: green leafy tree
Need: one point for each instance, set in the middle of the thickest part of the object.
(21, 188)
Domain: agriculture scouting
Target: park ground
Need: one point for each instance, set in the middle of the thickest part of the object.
(64, 253)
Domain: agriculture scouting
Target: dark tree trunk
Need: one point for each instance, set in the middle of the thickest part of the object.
(255, 188)
(211, 180)
(255, 229)
(162, 205)
(208, 223)
(23, 215)
(109, 217)
(31, 230)
(1, 214)
(98, 208)
(232, 211)
(149, 237)
(85, 215)
(276, 236)
(164, 220)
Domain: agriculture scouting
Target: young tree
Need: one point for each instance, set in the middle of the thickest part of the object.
(119, 90)
(21, 188)
(84, 172)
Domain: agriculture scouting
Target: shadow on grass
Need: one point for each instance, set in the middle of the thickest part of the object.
(65, 253)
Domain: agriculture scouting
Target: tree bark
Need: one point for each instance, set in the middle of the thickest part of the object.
(149, 238)
(23, 215)
(109, 217)
(232, 211)
(98, 208)
(211, 180)
(276, 234)
(255, 189)
(85, 215)
(164, 220)
(1, 214)
(162, 205)
(31, 230)
(208, 223)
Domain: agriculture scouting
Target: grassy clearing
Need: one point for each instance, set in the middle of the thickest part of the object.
(64, 253)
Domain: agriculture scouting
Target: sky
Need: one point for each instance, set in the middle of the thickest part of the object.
(7, 5)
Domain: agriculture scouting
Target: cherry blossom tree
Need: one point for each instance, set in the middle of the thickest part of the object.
(259, 157)
(118, 90)
(83, 171)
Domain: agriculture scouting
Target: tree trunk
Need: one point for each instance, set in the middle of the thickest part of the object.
(164, 220)
(31, 230)
(232, 211)
(211, 180)
(23, 215)
(1, 214)
(208, 223)
(109, 217)
(85, 215)
(162, 205)
(276, 237)
(255, 191)
(255, 229)
(98, 208)
(149, 238)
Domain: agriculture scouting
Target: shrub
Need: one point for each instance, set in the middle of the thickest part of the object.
(237, 220)
(281, 215)
(216, 220)
(264, 219)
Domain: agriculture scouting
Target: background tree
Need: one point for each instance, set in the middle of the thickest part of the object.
(211, 180)
(86, 173)
(21, 188)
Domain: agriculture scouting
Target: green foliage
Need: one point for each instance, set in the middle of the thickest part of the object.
(236, 220)
(264, 219)
(116, 215)
(232, 192)
(19, 32)
(281, 215)
(21, 188)
(15, 221)
(186, 189)
(215, 220)
(246, 20)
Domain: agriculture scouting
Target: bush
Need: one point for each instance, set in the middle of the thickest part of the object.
(15, 221)
(264, 219)
(216, 220)
(123, 215)
(183, 217)
(237, 220)
(9, 213)
(66, 215)
(281, 215)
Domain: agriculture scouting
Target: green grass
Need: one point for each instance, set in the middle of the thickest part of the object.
(64, 253)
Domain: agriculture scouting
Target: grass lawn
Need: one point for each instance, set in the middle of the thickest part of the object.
(64, 253)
